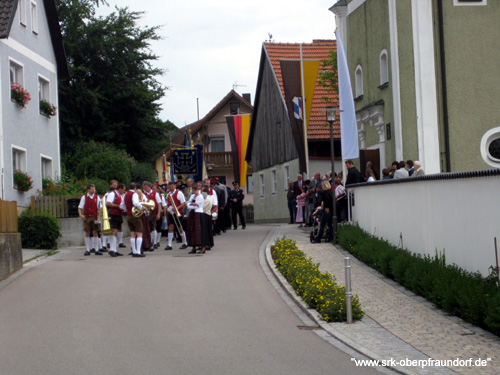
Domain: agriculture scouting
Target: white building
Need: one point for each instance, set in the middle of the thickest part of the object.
(32, 56)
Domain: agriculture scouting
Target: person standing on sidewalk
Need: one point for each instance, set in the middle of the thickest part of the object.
(236, 197)
(326, 196)
(291, 202)
(88, 209)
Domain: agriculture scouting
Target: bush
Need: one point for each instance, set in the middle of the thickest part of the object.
(143, 172)
(107, 165)
(467, 295)
(72, 186)
(38, 231)
(318, 290)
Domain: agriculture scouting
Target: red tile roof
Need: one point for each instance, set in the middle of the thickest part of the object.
(317, 50)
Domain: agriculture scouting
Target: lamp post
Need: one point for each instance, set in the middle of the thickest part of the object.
(331, 115)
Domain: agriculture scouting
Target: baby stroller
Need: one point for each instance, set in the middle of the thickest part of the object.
(316, 218)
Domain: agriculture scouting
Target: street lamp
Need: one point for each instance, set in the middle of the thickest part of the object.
(331, 116)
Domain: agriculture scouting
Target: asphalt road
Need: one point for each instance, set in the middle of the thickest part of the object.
(168, 313)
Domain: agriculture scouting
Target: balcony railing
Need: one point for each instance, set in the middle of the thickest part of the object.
(219, 159)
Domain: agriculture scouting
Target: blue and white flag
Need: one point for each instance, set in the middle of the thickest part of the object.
(348, 126)
(297, 107)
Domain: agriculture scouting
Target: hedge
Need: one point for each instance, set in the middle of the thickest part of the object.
(38, 231)
(465, 294)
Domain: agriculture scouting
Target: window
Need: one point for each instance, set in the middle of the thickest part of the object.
(46, 167)
(286, 176)
(217, 143)
(262, 186)
(18, 159)
(274, 181)
(358, 78)
(234, 108)
(43, 89)
(490, 147)
(22, 12)
(384, 68)
(469, 2)
(16, 73)
(34, 18)
(250, 184)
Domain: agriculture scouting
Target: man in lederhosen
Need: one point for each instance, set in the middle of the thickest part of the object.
(134, 223)
(175, 197)
(88, 209)
(113, 202)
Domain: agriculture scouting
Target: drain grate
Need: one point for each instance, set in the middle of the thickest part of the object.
(308, 328)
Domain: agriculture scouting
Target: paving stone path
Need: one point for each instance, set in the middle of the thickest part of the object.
(399, 324)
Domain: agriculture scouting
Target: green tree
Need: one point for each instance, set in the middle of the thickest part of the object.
(328, 77)
(112, 93)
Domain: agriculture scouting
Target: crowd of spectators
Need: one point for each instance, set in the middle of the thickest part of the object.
(305, 196)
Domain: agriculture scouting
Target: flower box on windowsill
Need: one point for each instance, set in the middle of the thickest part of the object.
(19, 94)
(47, 109)
(22, 181)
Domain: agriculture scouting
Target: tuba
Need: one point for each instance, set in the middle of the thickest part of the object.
(150, 205)
(106, 227)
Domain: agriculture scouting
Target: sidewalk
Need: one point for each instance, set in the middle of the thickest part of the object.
(397, 324)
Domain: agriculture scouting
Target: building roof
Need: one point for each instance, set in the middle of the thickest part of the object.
(317, 50)
(7, 13)
(179, 138)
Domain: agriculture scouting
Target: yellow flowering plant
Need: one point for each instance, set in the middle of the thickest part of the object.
(318, 290)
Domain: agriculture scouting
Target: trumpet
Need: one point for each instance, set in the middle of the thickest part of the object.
(137, 212)
(177, 214)
(106, 227)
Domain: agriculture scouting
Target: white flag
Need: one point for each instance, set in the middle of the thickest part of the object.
(348, 126)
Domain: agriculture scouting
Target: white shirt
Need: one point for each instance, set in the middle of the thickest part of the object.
(215, 202)
(110, 196)
(196, 203)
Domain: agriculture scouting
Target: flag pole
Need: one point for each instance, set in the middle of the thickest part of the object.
(304, 112)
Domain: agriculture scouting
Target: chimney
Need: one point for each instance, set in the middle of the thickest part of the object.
(248, 97)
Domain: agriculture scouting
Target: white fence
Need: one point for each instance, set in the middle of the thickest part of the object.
(455, 212)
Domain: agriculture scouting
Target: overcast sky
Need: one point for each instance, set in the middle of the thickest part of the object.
(209, 46)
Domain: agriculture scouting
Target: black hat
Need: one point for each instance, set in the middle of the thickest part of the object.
(235, 183)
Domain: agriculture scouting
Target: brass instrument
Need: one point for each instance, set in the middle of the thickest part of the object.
(106, 227)
(137, 212)
(177, 214)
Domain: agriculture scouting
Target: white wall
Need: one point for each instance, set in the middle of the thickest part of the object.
(459, 215)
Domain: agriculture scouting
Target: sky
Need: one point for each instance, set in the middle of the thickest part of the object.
(210, 47)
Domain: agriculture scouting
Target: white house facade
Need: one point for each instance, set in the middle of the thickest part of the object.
(31, 57)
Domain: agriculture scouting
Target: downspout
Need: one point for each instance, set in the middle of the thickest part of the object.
(444, 87)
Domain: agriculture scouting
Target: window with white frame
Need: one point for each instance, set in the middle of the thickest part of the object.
(43, 89)
(262, 186)
(286, 176)
(46, 167)
(384, 68)
(274, 181)
(358, 78)
(250, 184)
(16, 73)
(22, 12)
(18, 159)
(34, 17)
(217, 143)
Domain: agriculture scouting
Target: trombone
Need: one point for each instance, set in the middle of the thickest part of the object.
(176, 216)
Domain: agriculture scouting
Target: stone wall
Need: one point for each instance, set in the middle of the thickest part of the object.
(11, 256)
(72, 232)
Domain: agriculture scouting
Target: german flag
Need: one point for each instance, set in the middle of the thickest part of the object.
(239, 129)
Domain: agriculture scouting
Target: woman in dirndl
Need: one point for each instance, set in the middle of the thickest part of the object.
(194, 220)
